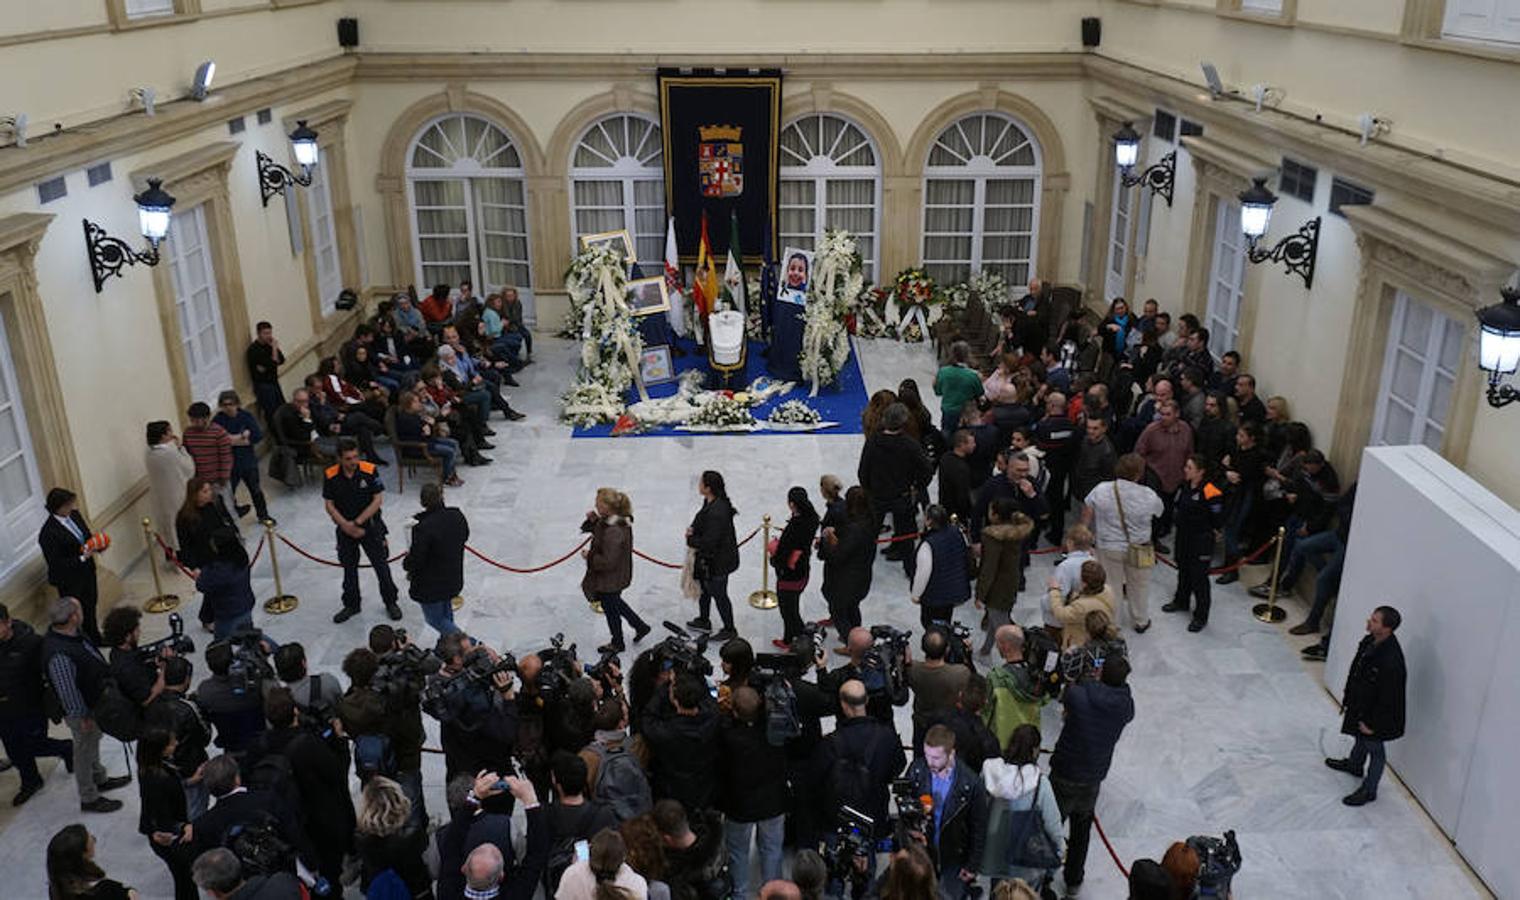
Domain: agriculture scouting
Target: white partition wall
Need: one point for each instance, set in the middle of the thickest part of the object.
(1432, 542)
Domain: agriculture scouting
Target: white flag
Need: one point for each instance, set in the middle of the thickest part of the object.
(677, 312)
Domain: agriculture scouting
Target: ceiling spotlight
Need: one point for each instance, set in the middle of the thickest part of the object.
(17, 126)
(1372, 126)
(1211, 75)
(148, 97)
(1266, 95)
(203, 75)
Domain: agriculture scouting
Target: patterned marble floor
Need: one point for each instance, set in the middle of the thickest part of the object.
(1230, 725)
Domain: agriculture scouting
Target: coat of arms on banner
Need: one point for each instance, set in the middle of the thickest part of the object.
(721, 160)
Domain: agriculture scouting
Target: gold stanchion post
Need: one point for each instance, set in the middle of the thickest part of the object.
(765, 598)
(160, 602)
(281, 602)
(1270, 611)
(457, 602)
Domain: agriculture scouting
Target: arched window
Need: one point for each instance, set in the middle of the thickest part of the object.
(469, 207)
(617, 181)
(830, 178)
(981, 200)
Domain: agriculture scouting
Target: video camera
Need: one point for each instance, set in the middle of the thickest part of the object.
(403, 672)
(884, 671)
(448, 698)
(958, 650)
(855, 838)
(176, 642)
(1084, 662)
(1218, 861)
(914, 810)
(683, 652)
(1042, 660)
(250, 661)
(559, 668)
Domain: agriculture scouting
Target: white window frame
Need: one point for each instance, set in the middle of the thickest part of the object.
(1428, 358)
(188, 238)
(324, 240)
(644, 163)
(1494, 22)
(822, 168)
(1122, 212)
(18, 524)
(1262, 7)
(137, 10)
(463, 166)
(980, 169)
(1226, 279)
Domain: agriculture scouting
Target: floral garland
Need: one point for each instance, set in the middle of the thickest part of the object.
(794, 412)
(838, 277)
(723, 413)
(589, 403)
(914, 304)
(600, 318)
(870, 314)
(986, 286)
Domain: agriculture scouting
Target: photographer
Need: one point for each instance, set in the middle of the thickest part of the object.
(177, 714)
(1012, 696)
(957, 824)
(141, 680)
(974, 741)
(233, 701)
(317, 695)
(250, 822)
(474, 705)
(754, 796)
(860, 759)
(401, 673)
(681, 731)
(613, 774)
(471, 823)
(1096, 713)
(936, 684)
(867, 666)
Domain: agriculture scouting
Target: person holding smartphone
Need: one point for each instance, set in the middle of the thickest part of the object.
(601, 871)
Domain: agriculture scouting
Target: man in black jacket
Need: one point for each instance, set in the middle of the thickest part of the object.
(177, 714)
(696, 862)
(681, 728)
(974, 741)
(235, 705)
(478, 723)
(892, 469)
(321, 780)
(141, 680)
(23, 725)
(1096, 713)
(237, 807)
(1056, 436)
(754, 795)
(1373, 703)
(435, 562)
(65, 541)
(955, 476)
(956, 826)
(77, 673)
(860, 759)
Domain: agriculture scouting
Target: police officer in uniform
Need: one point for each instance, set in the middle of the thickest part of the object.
(1198, 514)
(353, 492)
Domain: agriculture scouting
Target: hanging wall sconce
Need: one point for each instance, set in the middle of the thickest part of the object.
(275, 178)
(1297, 250)
(1499, 346)
(109, 255)
(1159, 177)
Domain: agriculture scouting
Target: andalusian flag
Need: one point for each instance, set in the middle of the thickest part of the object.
(704, 282)
(733, 271)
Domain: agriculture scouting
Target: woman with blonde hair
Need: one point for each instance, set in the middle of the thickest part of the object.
(604, 874)
(1071, 612)
(609, 564)
(388, 841)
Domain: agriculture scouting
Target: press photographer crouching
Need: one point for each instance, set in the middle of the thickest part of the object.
(233, 697)
(473, 697)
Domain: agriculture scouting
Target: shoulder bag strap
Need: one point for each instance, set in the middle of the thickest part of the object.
(1119, 502)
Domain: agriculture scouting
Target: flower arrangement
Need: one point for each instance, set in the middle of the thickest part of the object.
(871, 313)
(986, 286)
(589, 403)
(794, 412)
(601, 320)
(723, 412)
(838, 278)
(914, 304)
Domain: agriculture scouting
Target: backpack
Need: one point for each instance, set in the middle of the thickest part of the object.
(316, 716)
(782, 722)
(272, 774)
(850, 779)
(116, 714)
(260, 848)
(388, 885)
(621, 783)
(1010, 702)
(373, 756)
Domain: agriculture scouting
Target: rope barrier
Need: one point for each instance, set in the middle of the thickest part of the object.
(256, 551)
(1112, 855)
(659, 562)
(1232, 567)
(749, 537)
(173, 557)
(327, 562)
(549, 565)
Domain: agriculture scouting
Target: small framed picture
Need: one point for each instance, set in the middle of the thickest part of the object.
(655, 366)
(647, 296)
(611, 237)
(796, 276)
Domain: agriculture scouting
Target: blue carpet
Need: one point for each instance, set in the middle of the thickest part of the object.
(842, 402)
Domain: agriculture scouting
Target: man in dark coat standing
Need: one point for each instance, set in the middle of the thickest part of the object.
(893, 468)
(1373, 703)
(23, 724)
(435, 562)
(65, 542)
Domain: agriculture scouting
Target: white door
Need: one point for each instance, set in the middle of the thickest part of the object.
(324, 240)
(1226, 282)
(1419, 375)
(1118, 238)
(20, 485)
(501, 217)
(200, 312)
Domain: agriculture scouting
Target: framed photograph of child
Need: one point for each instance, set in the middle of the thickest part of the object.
(647, 296)
(611, 237)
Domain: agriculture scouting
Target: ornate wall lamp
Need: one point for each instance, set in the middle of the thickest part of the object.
(1499, 346)
(1297, 250)
(275, 178)
(1159, 177)
(109, 255)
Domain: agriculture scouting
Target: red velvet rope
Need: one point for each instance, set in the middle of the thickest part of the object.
(549, 565)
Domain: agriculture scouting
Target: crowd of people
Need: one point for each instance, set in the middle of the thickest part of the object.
(670, 779)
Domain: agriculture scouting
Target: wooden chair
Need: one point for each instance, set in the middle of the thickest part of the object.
(309, 454)
(727, 345)
(409, 454)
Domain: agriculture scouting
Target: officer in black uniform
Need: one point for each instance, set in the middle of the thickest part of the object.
(1198, 514)
(353, 493)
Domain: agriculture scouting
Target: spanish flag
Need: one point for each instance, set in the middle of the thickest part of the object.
(704, 283)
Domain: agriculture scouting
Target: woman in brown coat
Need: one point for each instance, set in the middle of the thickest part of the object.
(997, 581)
(609, 564)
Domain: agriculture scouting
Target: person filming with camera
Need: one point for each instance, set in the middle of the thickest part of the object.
(473, 697)
(233, 697)
(1096, 713)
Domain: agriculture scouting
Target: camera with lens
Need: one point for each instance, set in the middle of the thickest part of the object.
(813, 639)
(603, 670)
(854, 838)
(1042, 661)
(958, 645)
(250, 661)
(176, 642)
(1083, 663)
(884, 671)
(470, 691)
(684, 652)
(913, 810)
(559, 668)
(1218, 861)
(402, 673)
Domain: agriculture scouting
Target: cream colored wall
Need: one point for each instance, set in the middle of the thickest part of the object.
(1381, 16)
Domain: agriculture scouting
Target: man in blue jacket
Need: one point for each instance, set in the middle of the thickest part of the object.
(1096, 713)
(957, 824)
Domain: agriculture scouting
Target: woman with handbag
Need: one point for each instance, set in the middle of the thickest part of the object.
(789, 557)
(711, 534)
(1024, 835)
(609, 564)
(1120, 512)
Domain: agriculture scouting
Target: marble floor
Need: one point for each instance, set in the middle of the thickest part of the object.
(1230, 725)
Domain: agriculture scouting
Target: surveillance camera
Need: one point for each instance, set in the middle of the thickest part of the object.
(17, 125)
